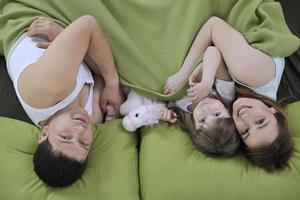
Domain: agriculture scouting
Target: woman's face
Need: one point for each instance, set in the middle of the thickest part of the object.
(70, 133)
(255, 122)
(207, 110)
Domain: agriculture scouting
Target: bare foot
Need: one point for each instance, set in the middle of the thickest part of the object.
(174, 82)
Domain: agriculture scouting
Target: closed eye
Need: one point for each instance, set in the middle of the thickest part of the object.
(84, 144)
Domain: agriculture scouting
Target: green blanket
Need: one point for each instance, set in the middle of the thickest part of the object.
(150, 38)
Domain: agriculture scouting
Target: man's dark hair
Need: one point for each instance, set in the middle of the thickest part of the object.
(55, 168)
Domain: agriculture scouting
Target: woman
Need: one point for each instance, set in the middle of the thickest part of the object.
(60, 94)
(252, 69)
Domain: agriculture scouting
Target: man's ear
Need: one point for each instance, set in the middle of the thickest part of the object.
(273, 110)
(43, 135)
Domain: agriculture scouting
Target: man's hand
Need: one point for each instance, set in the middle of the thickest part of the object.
(47, 27)
(111, 95)
(174, 82)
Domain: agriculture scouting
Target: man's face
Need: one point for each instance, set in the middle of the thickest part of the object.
(70, 133)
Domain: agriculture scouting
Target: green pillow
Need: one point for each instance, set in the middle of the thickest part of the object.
(111, 173)
(171, 169)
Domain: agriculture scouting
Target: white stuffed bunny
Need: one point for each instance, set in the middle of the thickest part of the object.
(141, 111)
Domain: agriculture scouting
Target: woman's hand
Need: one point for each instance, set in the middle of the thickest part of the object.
(199, 91)
(47, 27)
(174, 82)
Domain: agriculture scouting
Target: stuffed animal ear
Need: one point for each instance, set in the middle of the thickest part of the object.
(133, 101)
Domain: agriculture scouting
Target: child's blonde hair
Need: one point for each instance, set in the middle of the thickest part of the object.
(220, 139)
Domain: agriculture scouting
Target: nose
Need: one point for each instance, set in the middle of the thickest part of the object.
(79, 129)
(244, 119)
(245, 114)
(197, 126)
(209, 119)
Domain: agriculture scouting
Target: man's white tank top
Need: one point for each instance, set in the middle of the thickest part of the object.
(25, 52)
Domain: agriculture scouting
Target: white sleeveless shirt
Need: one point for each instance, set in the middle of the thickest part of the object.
(25, 52)
(269, 89)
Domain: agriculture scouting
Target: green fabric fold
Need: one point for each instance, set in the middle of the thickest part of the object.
(150, 39)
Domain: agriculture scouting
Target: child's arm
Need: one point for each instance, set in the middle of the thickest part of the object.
(212, 61)
(196, 75)
(221, 74)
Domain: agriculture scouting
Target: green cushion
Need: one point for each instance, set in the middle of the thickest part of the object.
(171, 169)
(111, 172)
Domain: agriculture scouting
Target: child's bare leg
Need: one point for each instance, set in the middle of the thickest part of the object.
(243, 61)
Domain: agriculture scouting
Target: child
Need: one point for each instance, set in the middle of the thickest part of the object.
(204, 113)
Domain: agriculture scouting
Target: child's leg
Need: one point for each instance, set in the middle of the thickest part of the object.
(243, 61)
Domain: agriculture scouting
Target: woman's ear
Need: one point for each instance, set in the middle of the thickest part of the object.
(43, 135)
(273, 110)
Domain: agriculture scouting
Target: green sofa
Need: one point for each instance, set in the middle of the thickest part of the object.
(159, 162)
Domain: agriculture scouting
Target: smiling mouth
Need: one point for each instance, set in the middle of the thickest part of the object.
(241, 109)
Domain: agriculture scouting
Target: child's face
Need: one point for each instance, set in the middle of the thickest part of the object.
(207, 110)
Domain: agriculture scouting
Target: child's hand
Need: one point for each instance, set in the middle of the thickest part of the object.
(169, 116)
(174, 82)
(195, 76)
(198, 91)
(47, 27)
